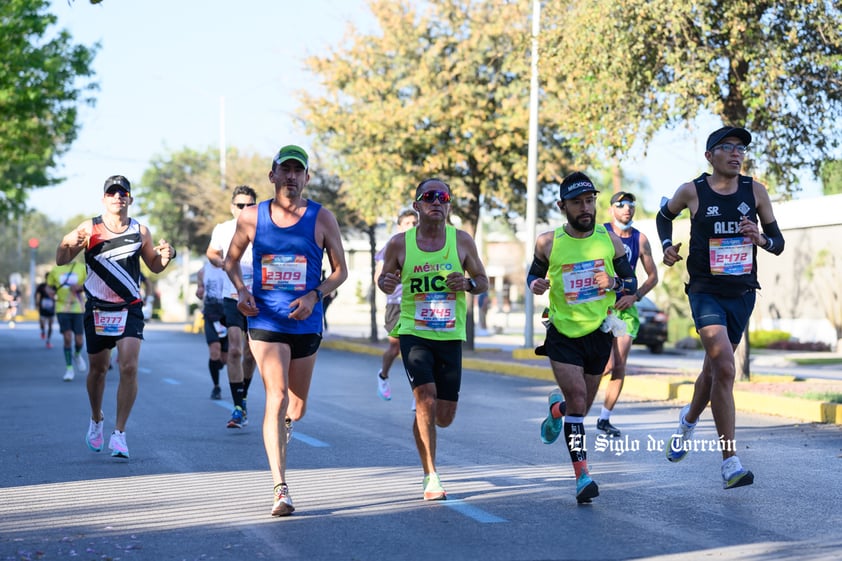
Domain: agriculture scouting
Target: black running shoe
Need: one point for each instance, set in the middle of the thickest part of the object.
(605, 426)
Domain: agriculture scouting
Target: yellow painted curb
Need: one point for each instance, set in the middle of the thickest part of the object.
(509, 368)
(803, 409)
(350, 346)
(662, 388)
(524, 354)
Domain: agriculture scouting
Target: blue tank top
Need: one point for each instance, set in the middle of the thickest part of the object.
(287, 264)
(631, 244)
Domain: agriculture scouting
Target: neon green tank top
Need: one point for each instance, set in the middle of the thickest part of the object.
(428, 309)
(577, 305)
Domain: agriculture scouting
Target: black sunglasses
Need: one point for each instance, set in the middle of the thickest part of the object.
(241, 206)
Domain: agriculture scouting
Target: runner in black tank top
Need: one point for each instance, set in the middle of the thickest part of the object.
(722, 260)
(113, 245)
(726, 212)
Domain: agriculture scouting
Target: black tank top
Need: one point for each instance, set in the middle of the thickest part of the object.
(722, 261)
(113, 260)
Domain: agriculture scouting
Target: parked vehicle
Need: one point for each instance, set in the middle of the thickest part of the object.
(653, 326)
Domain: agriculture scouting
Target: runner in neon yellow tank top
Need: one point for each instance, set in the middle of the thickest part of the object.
(581, 307)
(435, 264)
(432, 311)
(582, 260)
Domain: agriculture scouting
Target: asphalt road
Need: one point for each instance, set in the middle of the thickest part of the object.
(194, 489)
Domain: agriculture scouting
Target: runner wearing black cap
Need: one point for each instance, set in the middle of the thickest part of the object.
(584, 267)
(113, 244)
(724, 236)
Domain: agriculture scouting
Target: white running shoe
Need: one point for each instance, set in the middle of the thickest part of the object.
(283, 502)
(384, 389)
(117, 445)
(94, 436)
(69, 374)
(679, 442)
(734, 474)
(80, 363)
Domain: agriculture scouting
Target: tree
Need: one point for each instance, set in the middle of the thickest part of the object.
(628, 68)
(823, 271)
(180, 195)
(441, 91)
(831, 176)
(14, 235)
(632, 67)
(43, 79)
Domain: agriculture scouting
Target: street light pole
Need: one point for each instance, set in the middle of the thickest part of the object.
(532, 171)
(222, 142)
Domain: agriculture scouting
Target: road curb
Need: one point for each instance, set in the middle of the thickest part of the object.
(660, 388)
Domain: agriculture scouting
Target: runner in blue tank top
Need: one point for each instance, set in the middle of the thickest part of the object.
(726, 212)
(289, 235)
(637, 249)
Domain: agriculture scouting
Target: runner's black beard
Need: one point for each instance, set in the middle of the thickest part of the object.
(579, 227)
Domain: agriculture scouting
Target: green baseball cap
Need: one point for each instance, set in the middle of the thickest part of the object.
(292, 152)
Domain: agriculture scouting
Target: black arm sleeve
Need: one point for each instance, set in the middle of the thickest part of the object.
(664, 224)
(538, 270)
(776, 238)
(625, 275)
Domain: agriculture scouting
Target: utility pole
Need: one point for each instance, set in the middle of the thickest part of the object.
(222, 148)
(532, 172)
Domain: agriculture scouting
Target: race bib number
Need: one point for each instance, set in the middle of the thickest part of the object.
(48, 304)
(283, 272)
(435, 311)
(731, 256)
(110, 323)
(579, 283)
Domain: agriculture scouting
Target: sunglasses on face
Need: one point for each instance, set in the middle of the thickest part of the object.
(118, 192)
(241, 206)
(429, 196)
(621, 204)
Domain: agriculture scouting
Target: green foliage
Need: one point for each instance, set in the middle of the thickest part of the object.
(181, 197)
(15, 235)
(441, 91)
(625, 69)
(831, 176)
(182, 194)
(43, 79)
(761, 338)
(827, 397)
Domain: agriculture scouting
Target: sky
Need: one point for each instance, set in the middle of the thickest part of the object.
(164, 66)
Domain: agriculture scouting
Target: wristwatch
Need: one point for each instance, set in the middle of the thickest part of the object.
(318, 293)
(472, 285)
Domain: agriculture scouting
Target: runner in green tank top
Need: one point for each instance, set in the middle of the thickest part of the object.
(582, 265)
(435, 264)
